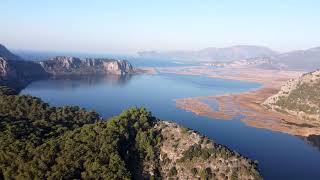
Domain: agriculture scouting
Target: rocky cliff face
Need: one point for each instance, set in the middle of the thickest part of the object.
(17, 73)
(299, 97)
(4, 68)
(63, 65)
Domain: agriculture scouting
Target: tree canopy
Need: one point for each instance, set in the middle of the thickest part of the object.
(42, 142)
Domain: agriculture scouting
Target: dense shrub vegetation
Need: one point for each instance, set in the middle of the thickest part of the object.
(196, 151)
(42, 142)
(38, 141)
(306, 98)
(4, 90)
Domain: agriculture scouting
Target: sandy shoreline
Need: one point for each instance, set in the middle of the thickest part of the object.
(247, 104)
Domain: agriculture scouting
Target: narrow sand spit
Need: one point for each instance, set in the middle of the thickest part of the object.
(247, 104)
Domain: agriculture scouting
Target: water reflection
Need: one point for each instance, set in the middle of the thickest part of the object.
(72, 82)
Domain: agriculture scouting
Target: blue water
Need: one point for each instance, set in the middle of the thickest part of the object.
(280, 156)
(153, 62)
(136, 61)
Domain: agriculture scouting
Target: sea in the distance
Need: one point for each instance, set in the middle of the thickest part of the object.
(280, 156)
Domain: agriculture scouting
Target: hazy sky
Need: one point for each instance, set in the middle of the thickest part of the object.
(128, 26)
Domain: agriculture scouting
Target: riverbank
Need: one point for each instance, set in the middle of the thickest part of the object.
(247, 104)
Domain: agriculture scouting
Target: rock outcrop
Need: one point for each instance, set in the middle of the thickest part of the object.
(63, 65)
(17, 73)
(4, 68)
(185, 154)
(299, 97)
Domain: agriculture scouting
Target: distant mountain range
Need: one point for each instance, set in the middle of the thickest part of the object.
(253, 56)
(306, 60)
(227, 54)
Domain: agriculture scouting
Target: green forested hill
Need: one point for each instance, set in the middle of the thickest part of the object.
(39, 141)
(42, 142)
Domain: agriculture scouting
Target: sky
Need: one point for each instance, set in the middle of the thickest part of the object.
(125, 27)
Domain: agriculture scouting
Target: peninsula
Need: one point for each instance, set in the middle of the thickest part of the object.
(43, 142)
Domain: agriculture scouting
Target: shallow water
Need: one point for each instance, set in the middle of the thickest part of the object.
(280, 156)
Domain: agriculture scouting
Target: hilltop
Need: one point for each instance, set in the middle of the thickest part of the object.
(299, 97)
(5, 53)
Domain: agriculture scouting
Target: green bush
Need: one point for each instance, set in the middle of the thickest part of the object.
(195, 151)
(42, 142)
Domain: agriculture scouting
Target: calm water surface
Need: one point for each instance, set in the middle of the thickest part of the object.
(280, 156)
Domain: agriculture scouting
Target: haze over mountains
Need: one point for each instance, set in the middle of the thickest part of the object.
(254, 56)
(227, 54)
(301, 59)
(306, 60)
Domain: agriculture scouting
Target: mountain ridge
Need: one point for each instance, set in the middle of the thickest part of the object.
(227, 54)
(67, 65)
(304, 60)
(5, 53)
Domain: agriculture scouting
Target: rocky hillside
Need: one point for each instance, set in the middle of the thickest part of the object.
(5, 53)
(299, 97)
(185, 154)
(38, 141)
(13, 70)
(17, 73)
(62, 65)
